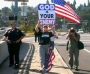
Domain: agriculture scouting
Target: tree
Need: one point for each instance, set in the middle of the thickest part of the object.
(85, 5)
(79, 7)
(74, 4)
(5, 10)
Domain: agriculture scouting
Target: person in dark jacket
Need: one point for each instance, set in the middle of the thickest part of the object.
(36, 34)
(13, 38)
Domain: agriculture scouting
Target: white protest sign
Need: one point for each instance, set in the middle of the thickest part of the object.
(46, 14)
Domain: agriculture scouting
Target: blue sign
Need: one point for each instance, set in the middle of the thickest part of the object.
(46, 7)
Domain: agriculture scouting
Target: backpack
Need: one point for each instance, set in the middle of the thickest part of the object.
(80, 45)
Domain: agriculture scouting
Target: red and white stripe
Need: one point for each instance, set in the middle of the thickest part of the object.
(67, 12)
(52, 56)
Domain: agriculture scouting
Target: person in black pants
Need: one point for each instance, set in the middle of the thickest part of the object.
(36, 35)
(13, 38)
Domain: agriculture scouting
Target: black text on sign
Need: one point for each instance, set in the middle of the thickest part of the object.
(46, 14)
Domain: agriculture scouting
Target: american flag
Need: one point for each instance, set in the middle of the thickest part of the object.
(64, 10)
(49, 59)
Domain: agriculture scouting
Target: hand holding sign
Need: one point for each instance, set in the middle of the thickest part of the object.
(38, 23)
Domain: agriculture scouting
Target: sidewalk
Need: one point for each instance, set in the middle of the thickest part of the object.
(29, 62)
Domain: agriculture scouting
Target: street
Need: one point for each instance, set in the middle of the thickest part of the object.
(84, 57)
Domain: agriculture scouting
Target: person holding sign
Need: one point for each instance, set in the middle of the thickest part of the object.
(44, 40)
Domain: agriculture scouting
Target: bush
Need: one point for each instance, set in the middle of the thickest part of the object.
(58, 30)
(27, 29)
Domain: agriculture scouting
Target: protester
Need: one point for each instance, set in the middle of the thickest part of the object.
(52, 29)
(73, 48)
(36, 34)
(13, 38)
(44, 41)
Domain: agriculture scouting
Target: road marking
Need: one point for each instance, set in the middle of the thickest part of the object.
(66, 42)
(87, 50)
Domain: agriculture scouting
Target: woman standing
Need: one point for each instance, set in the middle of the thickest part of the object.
(44, 40)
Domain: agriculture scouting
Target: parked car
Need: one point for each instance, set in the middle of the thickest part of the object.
(80, 31)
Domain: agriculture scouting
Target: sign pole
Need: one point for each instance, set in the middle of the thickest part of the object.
(16, 11)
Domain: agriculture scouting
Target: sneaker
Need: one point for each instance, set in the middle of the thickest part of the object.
(42, 70)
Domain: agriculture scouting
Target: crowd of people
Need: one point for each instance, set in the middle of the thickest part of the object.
(46, 35)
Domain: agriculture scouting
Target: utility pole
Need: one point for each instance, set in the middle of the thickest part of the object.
(47, 2)
(88, 2)
(64, 23)
(16, 11)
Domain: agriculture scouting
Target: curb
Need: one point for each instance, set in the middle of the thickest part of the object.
(63, 62)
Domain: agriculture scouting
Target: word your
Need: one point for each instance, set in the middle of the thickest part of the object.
(46, 15)
(46, 7)
(47, 22)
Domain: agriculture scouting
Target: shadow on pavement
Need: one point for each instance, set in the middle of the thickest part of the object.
(26, 54)
(37, 71)
(52, 73)
(79, 73)
(84, 70)
(25, 62)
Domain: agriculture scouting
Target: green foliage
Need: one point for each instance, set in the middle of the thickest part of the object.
(82, 10)
(0, 25)
(27, 29)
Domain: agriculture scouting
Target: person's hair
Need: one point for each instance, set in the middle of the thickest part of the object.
(72, 30)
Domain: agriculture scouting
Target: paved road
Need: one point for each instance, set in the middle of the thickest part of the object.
(84, 54)
(3, 31)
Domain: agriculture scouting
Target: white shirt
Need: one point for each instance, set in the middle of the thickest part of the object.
(56, 34)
